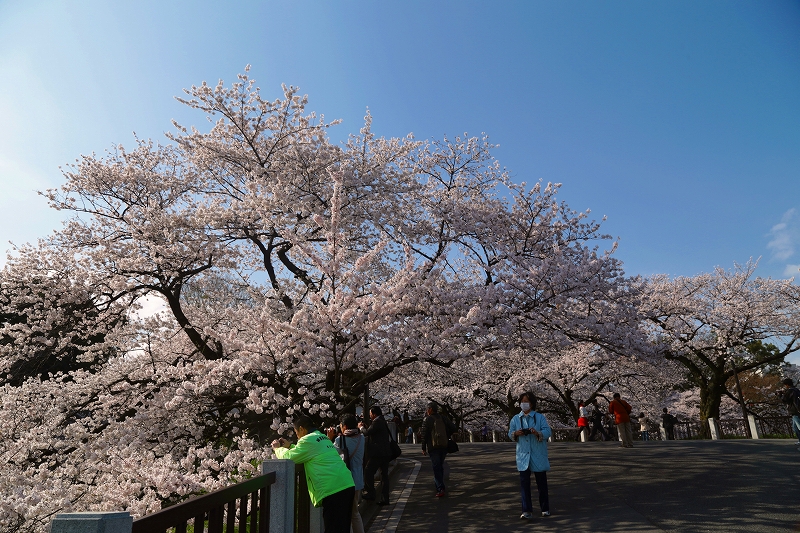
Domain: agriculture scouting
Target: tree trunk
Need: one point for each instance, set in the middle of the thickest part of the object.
(711, 397)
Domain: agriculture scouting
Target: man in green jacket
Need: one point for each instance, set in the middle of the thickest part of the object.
(329, 481)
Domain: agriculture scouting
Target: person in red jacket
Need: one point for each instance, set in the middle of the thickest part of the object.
(621, 411)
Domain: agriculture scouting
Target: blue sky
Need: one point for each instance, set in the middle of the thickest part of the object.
(679, 121)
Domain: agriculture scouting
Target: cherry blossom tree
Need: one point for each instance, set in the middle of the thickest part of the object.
(723, 322)
(294, 272)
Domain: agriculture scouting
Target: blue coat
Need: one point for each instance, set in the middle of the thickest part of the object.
(531, 454)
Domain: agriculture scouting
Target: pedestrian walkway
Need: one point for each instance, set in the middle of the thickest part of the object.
(677, 486)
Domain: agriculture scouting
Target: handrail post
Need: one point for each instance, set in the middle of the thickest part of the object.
(713, 428)
(316, 524)
(755, 431)
(100, 522)
(281, 505)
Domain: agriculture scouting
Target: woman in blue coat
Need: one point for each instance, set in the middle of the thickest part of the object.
(530, 431)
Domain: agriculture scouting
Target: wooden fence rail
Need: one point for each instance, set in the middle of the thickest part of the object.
(244, 507)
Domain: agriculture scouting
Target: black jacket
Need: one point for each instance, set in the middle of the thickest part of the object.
(378, 434)
(427, 429)
(787, 397)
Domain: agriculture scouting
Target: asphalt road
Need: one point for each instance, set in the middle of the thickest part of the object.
(677, 486)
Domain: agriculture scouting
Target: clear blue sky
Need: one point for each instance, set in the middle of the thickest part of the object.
(679, 121)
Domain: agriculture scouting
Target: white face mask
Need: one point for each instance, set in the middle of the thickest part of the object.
(525, 406)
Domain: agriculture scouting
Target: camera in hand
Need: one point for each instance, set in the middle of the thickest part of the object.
(526, 431)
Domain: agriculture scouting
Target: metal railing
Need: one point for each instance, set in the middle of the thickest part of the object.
(565, 434)
(244, 507)
(775, 426)
(690, 429)
(733, 428)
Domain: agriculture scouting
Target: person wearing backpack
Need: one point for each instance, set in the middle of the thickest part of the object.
(436, 431)
(351, 445)
(791, 397)
(530, 431)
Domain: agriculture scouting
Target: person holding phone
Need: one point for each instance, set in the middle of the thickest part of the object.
(530, 431)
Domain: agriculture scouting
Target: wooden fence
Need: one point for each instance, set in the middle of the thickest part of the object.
(241, 507)
(276, 501)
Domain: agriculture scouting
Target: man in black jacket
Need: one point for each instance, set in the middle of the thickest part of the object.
(435, 444)
(788, 395)
(597, 419)
(379, 456)
(668, 422)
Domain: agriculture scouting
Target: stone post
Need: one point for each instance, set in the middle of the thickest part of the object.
(281, 505)
(583, 435)
(119, 522)
(494, 435)
(713, 427)
(316, 524)
(755, 429)
(663, 432)
(471, 437)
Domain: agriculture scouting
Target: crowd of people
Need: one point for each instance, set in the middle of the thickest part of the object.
(617, 421)
(341, 463)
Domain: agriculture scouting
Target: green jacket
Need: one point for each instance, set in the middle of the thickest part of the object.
(326, 473)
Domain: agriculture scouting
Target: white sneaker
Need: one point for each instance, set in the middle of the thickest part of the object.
(545, 513)
(526, 516)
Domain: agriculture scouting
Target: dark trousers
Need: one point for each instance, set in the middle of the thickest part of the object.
(595, 429)
(373, 465)
(670, 431)
(336, 510)
(525, 489)
(437, 462)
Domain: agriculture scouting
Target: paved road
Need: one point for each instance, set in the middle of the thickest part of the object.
(717, 486)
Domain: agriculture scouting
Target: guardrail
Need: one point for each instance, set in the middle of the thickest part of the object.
(776, 426)
(242, 507)
(275, 502)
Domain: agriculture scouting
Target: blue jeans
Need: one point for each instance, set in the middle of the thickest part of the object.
(796, 425)
(645, 435)
(525, 490)
(437, 462)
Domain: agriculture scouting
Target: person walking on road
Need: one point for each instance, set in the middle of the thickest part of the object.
(409, 434)
(530, 431)
(621, 411)
(668, 421)
(378, 458)
(351, 444)
(436, 431)
(597, 417)
(330, 483)
(791, 397)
